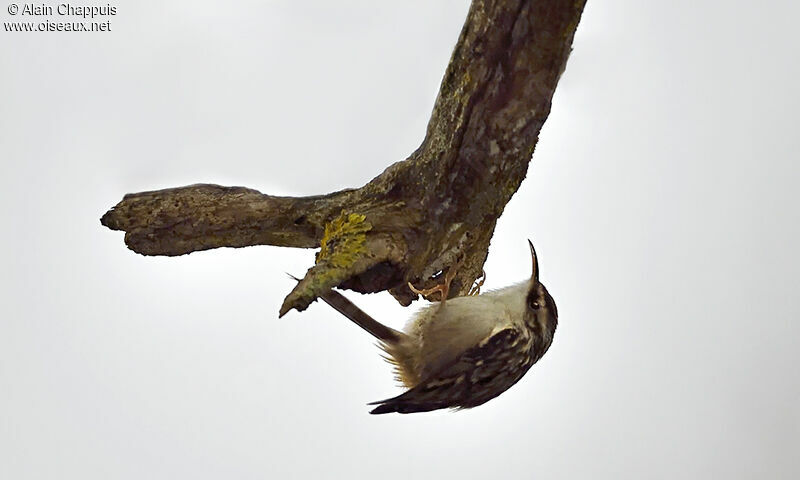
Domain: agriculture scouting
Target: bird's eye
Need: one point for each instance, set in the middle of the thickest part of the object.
(533, 303)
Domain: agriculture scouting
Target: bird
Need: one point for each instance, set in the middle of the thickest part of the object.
(462, 352)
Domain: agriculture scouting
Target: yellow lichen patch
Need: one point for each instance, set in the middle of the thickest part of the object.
(344, 240)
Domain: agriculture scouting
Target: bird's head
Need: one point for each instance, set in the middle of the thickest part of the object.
(541, 310)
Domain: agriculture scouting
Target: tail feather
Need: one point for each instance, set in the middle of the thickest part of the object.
(402, 404)
(361, 318)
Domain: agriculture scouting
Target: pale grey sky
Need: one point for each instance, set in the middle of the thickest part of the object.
(662, 200)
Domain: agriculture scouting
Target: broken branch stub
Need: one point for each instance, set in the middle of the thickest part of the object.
(420, 215)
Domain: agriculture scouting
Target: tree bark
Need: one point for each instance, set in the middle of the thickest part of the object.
(420, 216)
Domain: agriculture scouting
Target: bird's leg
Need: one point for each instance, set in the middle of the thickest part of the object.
(442, 288)
(476, 289)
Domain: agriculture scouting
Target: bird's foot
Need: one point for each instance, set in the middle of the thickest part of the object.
(442, 288)
(476, 288)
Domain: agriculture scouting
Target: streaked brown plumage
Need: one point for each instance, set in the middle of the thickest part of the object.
(465, 351)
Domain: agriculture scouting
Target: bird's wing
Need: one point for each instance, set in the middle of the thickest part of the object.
(454, 328)
(475, 377)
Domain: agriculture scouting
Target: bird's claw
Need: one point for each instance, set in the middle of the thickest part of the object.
(425, 292)
(442, 288)
(476, 288)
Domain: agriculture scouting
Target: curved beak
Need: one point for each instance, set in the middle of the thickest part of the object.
(535, 262)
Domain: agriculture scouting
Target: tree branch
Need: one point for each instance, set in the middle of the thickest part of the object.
(420, 215)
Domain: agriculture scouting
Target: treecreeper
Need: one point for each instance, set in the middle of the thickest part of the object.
(463, 352)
